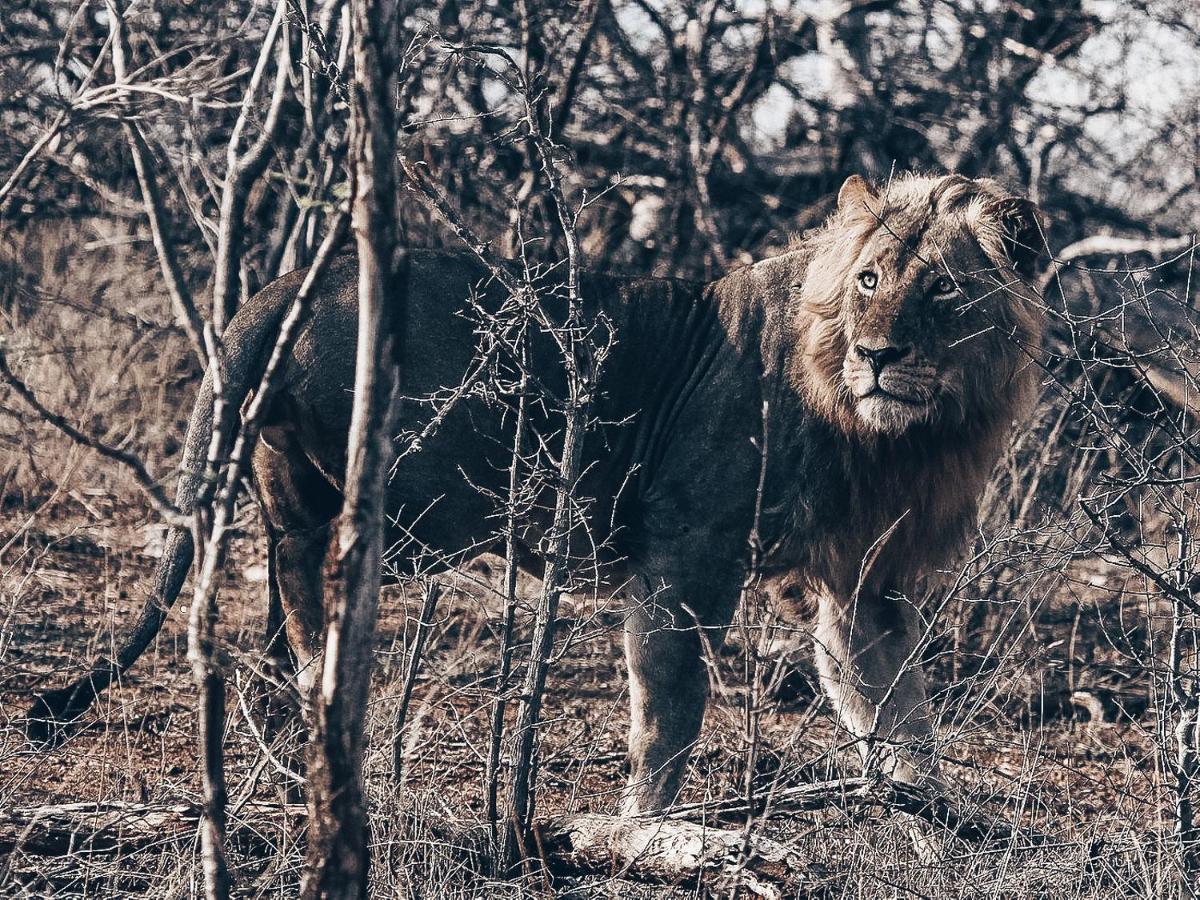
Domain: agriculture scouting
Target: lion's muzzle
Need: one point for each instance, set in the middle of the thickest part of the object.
(891, 387)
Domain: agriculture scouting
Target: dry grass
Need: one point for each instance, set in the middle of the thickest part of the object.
(1089, 784)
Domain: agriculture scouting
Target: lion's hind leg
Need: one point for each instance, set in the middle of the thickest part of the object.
(299, 506)
(277, 695)
(670, 625)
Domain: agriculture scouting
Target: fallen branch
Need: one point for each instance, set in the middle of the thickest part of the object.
(666, 851)
(1109, 245)
(112, 826)
(860, 793)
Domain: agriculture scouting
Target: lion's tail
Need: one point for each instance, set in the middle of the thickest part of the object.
(247, 342)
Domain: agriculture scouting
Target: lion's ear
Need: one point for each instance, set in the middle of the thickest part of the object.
(857, 195)
(1020, 223)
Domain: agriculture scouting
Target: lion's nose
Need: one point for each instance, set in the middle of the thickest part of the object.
(878, 357)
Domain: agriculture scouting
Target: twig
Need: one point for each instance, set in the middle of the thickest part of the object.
(242, 169)
(416, 650)
(181, 297)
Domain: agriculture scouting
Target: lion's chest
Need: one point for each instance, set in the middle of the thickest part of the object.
(855, 520)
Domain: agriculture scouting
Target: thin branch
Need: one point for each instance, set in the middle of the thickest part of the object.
(243, 169)
(181, 296)
(415, 652)
(147, 482)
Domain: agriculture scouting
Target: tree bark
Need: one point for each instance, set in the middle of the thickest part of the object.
(337, 860)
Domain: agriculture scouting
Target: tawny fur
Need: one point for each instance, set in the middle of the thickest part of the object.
(872, 471)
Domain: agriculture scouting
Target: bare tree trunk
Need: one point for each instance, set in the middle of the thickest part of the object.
(521, 805)
(499, 704)
(337, 859)
(212, 740)
(1184, 700)
(581, 359)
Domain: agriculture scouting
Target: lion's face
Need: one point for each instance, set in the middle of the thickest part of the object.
(927, 319)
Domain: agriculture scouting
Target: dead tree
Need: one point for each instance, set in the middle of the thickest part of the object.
(337, 860)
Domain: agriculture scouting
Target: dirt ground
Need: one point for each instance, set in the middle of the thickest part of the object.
(72, 580)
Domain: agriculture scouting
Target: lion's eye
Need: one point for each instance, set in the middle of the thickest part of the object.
(867, 281)
(944, 286)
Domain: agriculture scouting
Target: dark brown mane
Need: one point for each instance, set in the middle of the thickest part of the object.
(919, 489)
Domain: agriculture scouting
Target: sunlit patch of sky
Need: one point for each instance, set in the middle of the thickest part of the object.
(1156, 67)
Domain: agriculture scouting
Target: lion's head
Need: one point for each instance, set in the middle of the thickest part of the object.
(915, 309)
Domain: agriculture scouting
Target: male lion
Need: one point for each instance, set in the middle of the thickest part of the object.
(892, 352)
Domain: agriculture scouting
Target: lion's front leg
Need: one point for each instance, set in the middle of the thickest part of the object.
(668, 689)
(665, 644)
(868, 667)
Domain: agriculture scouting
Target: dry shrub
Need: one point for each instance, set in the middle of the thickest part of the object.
(86, 323)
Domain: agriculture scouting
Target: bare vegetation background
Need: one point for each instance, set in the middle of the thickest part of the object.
(690, 137)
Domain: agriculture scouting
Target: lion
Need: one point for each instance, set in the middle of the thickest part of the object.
(845, 400)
